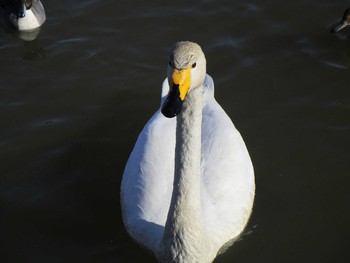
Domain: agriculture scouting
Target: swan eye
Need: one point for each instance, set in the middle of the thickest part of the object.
(194, 65)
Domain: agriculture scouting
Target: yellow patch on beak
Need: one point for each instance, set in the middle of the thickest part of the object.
(182, 78)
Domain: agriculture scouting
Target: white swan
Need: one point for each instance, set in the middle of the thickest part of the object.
(188, 186)
(344, 22)
(22, 14)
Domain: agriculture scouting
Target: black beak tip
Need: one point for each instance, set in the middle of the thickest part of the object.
(171, 108)
(22, 11)
(168, 114)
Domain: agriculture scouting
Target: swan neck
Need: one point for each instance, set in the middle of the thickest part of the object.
(183, 234)
(188, 152)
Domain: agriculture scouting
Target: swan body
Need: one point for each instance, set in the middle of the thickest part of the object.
(344, 22)
(188, 186)
(22, 14)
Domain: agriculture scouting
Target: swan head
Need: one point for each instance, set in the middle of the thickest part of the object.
(24, 5)
(345, 21)
(186, 72)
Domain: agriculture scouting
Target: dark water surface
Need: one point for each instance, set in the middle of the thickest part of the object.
(73, 101)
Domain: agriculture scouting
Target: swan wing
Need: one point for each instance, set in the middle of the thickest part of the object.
(39, 11)
(148, 178)
(227, 186)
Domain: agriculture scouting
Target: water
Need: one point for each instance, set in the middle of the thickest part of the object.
(73, 101)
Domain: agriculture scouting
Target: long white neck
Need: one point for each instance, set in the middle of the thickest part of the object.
(184, 234)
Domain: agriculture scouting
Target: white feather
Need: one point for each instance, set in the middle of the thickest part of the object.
(28, 22)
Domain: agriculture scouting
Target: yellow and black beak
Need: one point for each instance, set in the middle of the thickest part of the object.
(181, 80)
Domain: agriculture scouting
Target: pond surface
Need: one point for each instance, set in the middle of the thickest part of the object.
(73, 101)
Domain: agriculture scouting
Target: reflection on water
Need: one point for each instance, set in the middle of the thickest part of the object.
(33, 51)
(73, 101)
(27, 35)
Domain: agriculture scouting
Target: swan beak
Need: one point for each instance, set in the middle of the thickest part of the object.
(181, 80)
(22, 11)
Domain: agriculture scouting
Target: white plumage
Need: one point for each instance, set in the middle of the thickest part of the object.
(189, 218)
(22, 14)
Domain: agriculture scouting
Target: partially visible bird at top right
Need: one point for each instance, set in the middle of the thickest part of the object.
(344, 22)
